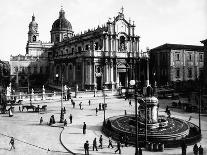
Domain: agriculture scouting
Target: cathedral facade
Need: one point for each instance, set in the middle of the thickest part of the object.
(104, 56)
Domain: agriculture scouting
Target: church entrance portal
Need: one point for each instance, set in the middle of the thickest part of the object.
(122, 78)
(98, 81)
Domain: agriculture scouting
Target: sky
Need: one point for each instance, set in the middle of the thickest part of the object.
(157, 21)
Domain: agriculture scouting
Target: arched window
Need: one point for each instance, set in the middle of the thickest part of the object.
(122, 43)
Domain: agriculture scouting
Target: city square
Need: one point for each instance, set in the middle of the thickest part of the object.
(31, 137)
(126, 78)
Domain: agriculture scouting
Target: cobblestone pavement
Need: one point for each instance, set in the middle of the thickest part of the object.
(32, 138)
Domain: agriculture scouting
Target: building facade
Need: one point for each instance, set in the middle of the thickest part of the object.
(34, 62)
(104, 56)
(205, 62)
(172, 63)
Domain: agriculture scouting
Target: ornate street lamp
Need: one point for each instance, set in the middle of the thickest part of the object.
(61, 110)
(133, 83)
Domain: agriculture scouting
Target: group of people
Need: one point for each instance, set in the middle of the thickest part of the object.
(95, 147)
(197, 150)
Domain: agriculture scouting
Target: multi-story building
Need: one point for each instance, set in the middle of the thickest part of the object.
(34, 62)
(171, 63)
(105, 55)
(205, 62)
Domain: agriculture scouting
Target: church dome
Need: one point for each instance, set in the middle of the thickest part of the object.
(61, 23)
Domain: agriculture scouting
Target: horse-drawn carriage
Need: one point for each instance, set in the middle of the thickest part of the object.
(35, 108)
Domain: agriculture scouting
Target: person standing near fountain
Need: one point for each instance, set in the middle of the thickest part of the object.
(195, 149)
(184, 147)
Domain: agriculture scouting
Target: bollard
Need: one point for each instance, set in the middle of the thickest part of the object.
(162, 147)
(150, 146)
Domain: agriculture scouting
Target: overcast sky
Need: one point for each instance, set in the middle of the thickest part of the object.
(157, 21)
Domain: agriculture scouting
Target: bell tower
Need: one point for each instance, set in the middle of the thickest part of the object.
(33, 34)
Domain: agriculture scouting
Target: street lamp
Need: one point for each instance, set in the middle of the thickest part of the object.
(61, 111)
(133, 83)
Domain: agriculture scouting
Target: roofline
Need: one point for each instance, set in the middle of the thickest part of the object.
(178, 46)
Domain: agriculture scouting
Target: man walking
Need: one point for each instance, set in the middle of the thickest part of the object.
(96, 111)
(101, 141)
(110, 143)
(86, 148)
(95, 144)
(41, 120)
(80, 104)
(12, 143)
(71, 118)
(84, 128)
(118, 147)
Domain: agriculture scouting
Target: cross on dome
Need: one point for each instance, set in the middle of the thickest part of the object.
(122, 9)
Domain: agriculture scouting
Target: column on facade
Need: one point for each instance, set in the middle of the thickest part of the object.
(112, 72)
(116, 78)
(106, 71)
(184, 65)
(83, 73)
(74, 71)
(107, 43)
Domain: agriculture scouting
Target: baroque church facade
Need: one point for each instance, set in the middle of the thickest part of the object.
(104, 56)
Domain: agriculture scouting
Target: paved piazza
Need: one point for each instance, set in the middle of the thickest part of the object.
(32, 138)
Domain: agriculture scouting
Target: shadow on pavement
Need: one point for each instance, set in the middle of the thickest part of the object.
(4, 149)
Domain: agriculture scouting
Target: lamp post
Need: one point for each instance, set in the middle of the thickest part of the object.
(133, 83)
(61, 112)
(199, 111)
(94, 90)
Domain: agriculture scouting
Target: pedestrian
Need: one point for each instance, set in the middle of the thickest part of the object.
(200, 150)
(126, 139)
(96, 111)
(86, 148)
(19, 108)
(73, 104)
(118, 147)
(183, 146)
(130, 103)
(195, 149)
(110, 143)
(71, 118)
(41, 120)
(84, 128)
(65, 122)
(80, 104)
(12, 143)
(101, 141)
(64, 110)
(95, 144)
(125, 112)
(89, 102)
(99, 106)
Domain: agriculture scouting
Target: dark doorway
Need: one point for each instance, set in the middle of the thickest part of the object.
(98, 81)
(122, 76)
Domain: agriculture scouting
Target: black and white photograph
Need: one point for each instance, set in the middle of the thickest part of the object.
(102, 77)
